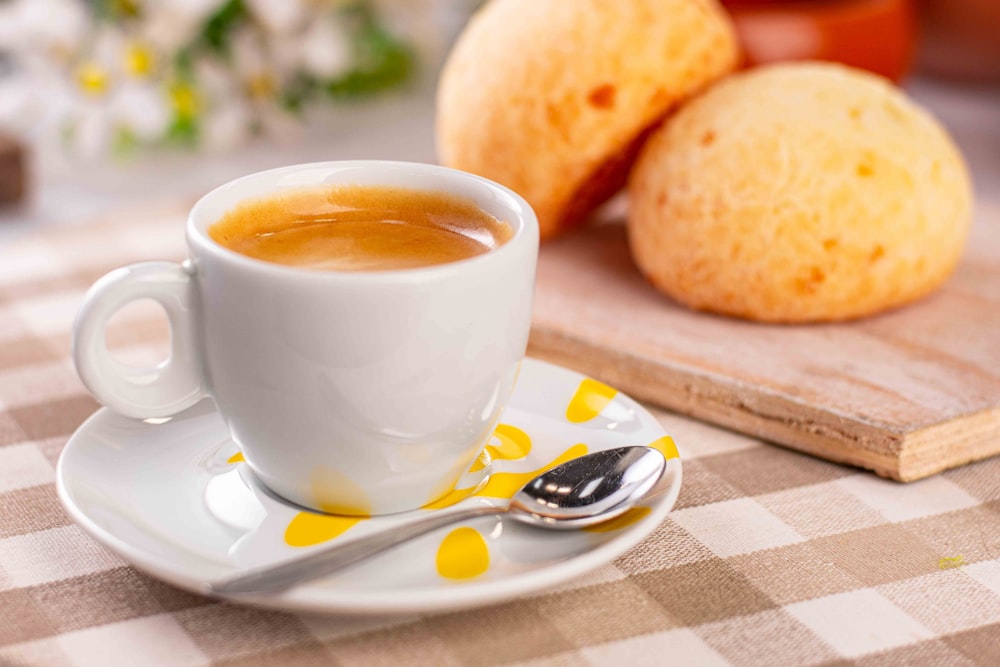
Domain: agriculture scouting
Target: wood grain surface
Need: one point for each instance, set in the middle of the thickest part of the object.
(906, 394)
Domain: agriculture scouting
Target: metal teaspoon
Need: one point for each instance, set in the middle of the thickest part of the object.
(581, 492)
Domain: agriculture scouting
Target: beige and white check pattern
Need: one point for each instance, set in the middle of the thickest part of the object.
(770, 558)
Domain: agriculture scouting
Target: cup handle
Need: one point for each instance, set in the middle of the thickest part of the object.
(163, 390)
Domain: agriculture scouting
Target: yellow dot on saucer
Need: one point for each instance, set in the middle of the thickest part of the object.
(513, 443)
(506, 484)
(483, 460)
(463, 554)
(665, 446)
(236, 458)
(590, 399)
(307, 528)
(449, 499)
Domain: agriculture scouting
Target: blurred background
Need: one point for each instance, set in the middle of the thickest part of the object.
(111, 104)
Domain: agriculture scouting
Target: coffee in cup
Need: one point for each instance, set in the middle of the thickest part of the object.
(360, 228)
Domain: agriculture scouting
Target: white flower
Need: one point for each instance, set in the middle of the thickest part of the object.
(106, 47)
(197, 10)
(118, 82)
(170, 25)
(55, 27)
(326, 48)
(279, 16)
(112, 94)
(17, 102)
(214, 78)
(260, 69)
(249, 56)
(91, 132)
(227, 121)
(227, 126)
(142, 109)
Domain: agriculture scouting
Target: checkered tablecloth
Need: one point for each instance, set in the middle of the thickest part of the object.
(770, 557)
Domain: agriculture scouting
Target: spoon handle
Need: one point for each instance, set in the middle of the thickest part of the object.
(273, 579)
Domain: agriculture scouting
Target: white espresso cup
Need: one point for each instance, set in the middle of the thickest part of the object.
(349, 392)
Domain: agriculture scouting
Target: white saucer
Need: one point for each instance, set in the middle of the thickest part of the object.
(172, 498)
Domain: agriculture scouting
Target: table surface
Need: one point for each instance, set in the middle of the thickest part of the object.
(770, 557)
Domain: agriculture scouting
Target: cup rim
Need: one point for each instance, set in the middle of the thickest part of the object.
(526, 227)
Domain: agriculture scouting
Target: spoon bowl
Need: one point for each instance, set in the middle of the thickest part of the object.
(590, 489)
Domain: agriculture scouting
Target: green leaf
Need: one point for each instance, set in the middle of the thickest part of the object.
(215, 34)
(117, 10)
(383, 60)
(383, 63)
(184, 64)
(125, 143)
(298, 90)
(183, 131)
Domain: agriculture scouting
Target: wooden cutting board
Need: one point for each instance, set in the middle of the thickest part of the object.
(906, 394)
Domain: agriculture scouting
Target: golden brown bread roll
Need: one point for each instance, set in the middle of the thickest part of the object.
(551, 97)
(796, 193)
